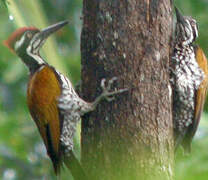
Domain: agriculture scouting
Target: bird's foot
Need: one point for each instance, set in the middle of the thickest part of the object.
(107, 93)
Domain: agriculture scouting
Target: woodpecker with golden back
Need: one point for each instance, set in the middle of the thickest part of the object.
(189, 81)
(53, 103)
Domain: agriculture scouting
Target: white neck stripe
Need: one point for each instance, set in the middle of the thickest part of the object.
(35, 56)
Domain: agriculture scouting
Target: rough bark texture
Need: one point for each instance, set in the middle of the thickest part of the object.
(131, 137)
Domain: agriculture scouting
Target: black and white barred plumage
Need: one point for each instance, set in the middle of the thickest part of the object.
(72, 107)
(186, 79)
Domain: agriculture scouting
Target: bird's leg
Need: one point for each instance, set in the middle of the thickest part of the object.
(106, 92)
(85, 107)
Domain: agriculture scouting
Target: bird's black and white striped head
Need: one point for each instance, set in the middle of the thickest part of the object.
(27, 41)
(186, 29)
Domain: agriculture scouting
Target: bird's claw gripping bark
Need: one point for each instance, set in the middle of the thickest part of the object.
(106, 89)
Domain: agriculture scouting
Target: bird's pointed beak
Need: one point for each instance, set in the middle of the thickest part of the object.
(40, 38)
(180, 17)
(45, 33)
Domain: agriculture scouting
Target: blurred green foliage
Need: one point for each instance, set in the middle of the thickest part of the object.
(22, 154)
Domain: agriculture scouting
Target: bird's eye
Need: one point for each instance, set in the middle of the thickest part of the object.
(193, 23)
(29, 35)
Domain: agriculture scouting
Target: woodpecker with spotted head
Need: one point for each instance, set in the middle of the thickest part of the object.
(53, 103)
(189, 81)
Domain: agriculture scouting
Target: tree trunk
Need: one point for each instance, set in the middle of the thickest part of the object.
(132, 136)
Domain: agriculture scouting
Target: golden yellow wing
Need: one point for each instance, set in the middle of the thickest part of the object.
(42, 94)
(202, 91)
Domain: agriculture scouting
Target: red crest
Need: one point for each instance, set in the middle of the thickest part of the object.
(15, 36)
